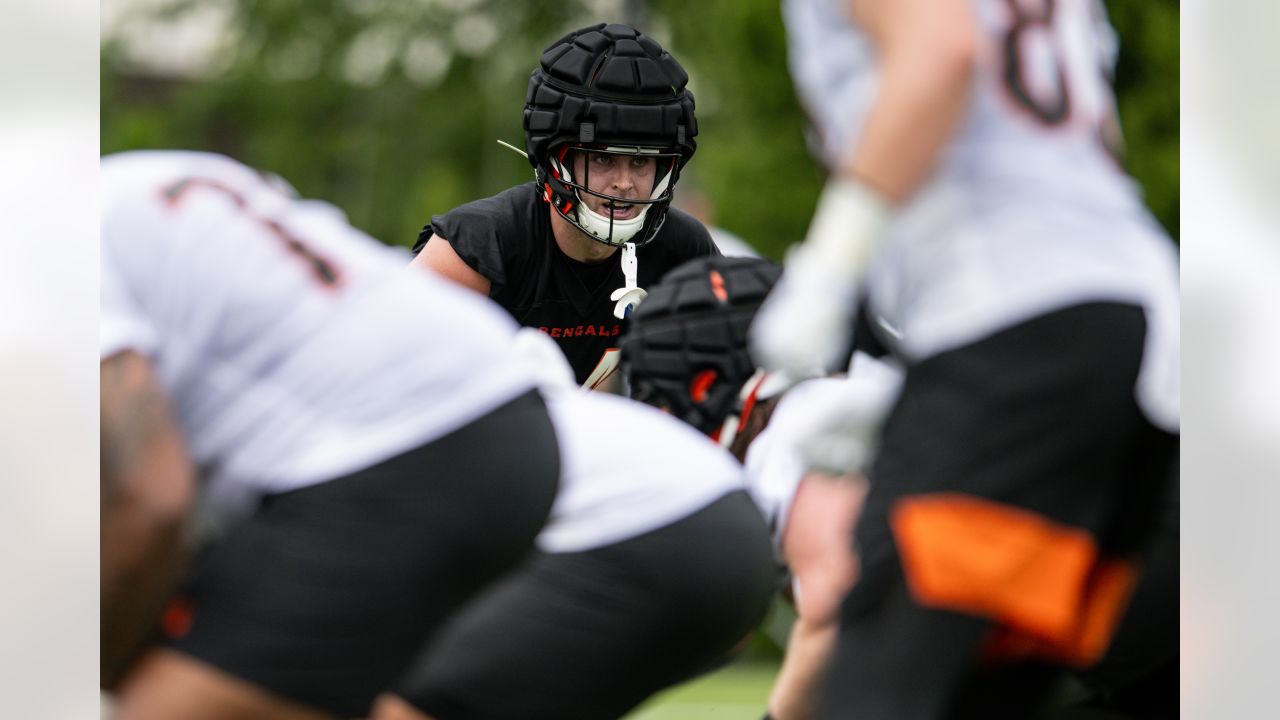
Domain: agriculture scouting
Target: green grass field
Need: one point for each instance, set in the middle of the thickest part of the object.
(738, 692)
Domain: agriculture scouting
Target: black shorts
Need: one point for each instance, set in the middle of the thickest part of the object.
(592, 634)
(328, 592)
(1031, 435)
(1139, 674)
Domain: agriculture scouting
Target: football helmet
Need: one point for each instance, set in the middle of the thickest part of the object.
(687, 350)
(608, 89)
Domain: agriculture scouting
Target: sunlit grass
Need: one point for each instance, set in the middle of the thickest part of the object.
(738, 692)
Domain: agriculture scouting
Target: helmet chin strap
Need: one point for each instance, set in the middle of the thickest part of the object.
(737, 419)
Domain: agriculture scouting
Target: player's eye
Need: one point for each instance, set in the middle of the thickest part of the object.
(640, 163)
(605, 160)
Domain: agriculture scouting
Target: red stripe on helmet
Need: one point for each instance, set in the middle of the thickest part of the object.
(700, 384)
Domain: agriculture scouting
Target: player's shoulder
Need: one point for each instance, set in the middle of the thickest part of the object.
(509, 207)
(150, 165)
(509, 218)
(166, 177)
(139, 186)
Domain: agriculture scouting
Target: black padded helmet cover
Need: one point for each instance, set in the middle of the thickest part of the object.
(608, 84)
(601, 86)
(687, 346)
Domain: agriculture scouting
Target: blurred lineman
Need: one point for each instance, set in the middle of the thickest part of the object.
(249, 355)
(976, 203)
(805, 454)
(651, 570)
(804, 450)
(608, 126)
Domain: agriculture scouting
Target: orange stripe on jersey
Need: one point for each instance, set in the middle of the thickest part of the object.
(1106, 596)
(1041, 580)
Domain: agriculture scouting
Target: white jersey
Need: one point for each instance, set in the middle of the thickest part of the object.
(826, 424)
(294, 348)
(625, 468)
(1027, 211)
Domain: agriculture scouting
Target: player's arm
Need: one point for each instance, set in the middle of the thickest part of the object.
(438, 255)
(795, 690)
(818, 546)
(818, 540)
(927, 51)
(148, 491)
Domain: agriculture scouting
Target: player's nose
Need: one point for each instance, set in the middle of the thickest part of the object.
(625, 178)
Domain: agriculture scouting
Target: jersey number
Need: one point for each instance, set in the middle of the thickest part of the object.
(1031, 35)
(1027, 26)
(321, 269)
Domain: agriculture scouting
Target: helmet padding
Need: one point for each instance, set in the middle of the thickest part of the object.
(608, 86)
(686, 349)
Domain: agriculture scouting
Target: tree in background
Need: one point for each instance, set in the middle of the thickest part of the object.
(391, 109)
(388, 109)
(1147, 88)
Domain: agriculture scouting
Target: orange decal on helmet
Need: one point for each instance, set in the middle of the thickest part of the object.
(717, 286)
(700, 384)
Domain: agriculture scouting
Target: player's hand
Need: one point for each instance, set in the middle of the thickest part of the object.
(805, 324)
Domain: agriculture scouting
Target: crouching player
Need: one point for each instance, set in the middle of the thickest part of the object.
(248, 361)
(654, 565)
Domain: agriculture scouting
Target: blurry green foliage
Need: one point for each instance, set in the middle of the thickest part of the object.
(391, 109)
(752, 158)
(1147, 89)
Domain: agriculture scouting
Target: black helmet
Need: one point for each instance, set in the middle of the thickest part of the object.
(687, 346)
(608, 89)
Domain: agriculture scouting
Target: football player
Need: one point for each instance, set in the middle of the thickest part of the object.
(609, 123)
(976, 203)
(654, 564)
(806, 452)
(255, 392)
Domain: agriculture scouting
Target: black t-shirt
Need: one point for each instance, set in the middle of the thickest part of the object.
(507, 238)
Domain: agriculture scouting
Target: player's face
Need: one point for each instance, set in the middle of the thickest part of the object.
(622, 176)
